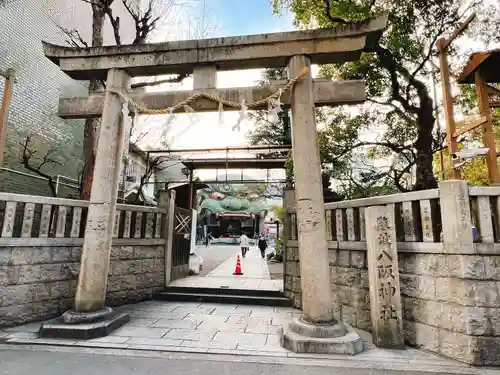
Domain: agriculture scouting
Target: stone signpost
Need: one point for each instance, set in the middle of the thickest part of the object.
(383, 273)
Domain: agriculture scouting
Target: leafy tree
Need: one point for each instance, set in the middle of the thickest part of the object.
(399, 106)
(273, 133)
(280, 212)
(268, 131)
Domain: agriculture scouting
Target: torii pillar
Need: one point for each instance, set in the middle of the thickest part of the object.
(316, 331)
(89, 306)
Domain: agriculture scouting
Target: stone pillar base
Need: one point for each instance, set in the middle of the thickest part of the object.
(83, 326)
(300, 336)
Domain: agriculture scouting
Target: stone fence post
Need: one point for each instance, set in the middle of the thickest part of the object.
(167, 201)
(456, 218)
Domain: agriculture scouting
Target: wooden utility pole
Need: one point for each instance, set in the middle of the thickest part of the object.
(4, 110)
(442, 46)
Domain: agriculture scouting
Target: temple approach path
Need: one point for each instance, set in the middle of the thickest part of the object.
(214, 256)
(255, 276)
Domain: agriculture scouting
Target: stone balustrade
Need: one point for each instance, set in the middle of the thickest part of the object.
(40, 248)
(39, 221)
(448, 248)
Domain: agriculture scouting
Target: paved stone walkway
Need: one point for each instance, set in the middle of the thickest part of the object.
(255, 275)
(158, 326)
(212, 328)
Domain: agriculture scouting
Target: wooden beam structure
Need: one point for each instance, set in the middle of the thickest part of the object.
(487, 61)
(4, 109)
(493, 96)
(254, 148)
(488, 136)
(442, 45)
(231, 181)
(469, 126)
(459, 30)
(483, 68)
(324, 46)
(326, 93)
(234, 163)
(448, 105)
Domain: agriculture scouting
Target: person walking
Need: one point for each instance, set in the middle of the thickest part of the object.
(262, 244)
(208, 239)
(244, 243)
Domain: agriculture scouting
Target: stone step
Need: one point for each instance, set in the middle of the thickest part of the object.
(224, 291)
(235, 299)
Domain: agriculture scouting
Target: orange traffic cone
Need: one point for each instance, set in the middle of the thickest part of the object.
(237, 271)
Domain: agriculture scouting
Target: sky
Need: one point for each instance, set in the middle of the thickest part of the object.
(204, 130)
(241, 17)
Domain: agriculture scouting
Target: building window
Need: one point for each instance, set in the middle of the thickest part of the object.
(131, 171)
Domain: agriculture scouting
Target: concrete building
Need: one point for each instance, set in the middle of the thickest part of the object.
(40, 83)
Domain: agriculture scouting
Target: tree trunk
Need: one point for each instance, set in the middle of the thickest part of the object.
(90, 132)
(425, 178)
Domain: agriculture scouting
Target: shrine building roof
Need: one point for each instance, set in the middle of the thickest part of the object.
(487, 62)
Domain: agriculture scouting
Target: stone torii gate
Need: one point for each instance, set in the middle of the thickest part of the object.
(316, 331)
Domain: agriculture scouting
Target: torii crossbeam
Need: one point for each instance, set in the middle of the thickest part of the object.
(326, 93)
(323, 46)
(297, 51)
(204, 57)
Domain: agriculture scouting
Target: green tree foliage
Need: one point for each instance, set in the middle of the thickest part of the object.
(278, 133)
(279, 211)
(399, 108)
(268, 132)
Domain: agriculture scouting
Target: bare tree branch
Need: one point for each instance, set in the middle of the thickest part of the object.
(75, 38)
(27, 159)
(145, 21)
(152, 165)
(177, 79)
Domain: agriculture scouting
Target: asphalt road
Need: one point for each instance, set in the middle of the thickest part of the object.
(42, 361)
(214, 255)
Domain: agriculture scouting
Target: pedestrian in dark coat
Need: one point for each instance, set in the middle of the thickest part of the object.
(262, 244)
